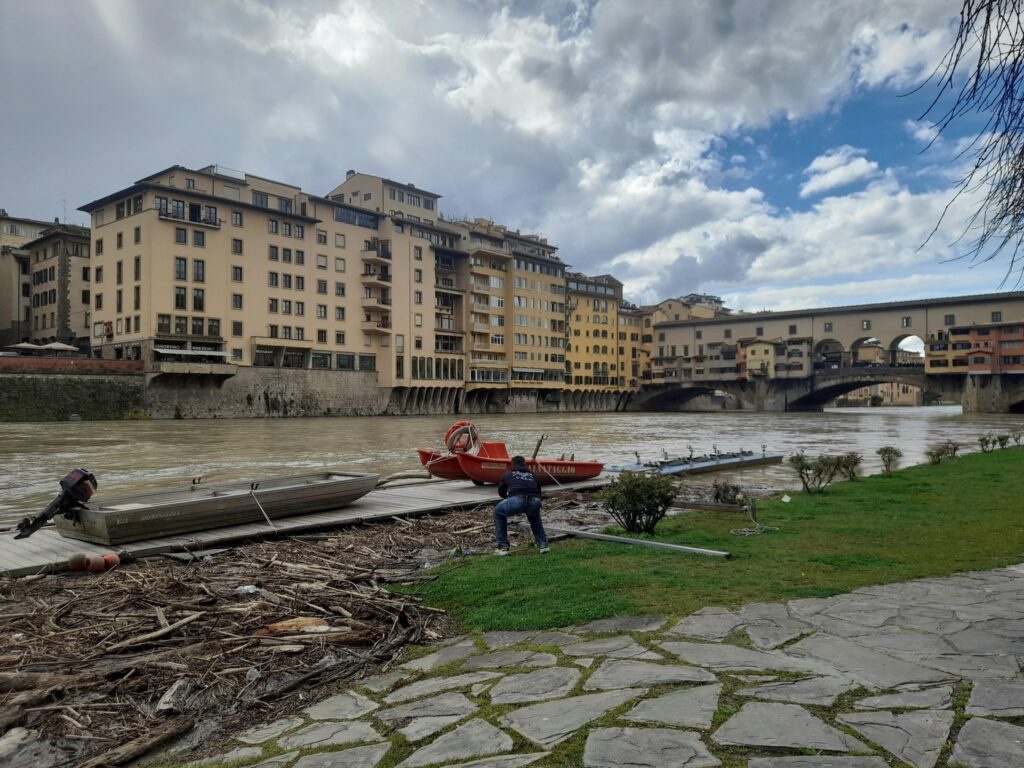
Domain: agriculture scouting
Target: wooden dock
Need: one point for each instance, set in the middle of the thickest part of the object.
(47, 551)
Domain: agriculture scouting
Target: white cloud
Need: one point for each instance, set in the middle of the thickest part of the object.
(921, 130)
(837, 168)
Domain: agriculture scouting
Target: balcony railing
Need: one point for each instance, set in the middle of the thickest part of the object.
(377, 276)
(175, 216)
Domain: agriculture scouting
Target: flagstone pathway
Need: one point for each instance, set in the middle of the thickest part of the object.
(925, 673)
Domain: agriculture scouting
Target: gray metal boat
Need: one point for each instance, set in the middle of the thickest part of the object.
(202, 507)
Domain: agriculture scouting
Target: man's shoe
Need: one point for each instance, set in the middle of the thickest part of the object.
(545, 550)
(502, 552)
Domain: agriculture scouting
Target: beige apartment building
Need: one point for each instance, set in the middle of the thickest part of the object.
(663, 358)
(15, 281)
(60, 277)
(604, 340)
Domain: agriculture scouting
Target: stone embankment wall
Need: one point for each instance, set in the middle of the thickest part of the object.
(59, 397)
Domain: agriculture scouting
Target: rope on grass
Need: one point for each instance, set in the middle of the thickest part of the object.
(757, 527)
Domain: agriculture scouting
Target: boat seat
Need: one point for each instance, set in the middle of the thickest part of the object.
(494, 451)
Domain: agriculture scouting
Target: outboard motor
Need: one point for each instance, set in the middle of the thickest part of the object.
(76, 488)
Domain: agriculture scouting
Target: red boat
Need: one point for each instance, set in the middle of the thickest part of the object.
(492, 461)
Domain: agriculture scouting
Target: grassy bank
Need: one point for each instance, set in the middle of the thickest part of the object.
(923, 521)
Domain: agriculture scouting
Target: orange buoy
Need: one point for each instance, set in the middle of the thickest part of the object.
(95, 564)
(77, 561)
(111, 560)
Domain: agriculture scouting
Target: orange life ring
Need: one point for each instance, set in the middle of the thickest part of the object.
(461, 437)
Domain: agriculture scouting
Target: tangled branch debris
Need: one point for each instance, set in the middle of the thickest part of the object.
(105, 668)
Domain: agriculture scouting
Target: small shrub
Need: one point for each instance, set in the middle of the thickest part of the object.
(987, 442)
(1016, 435)
(951, 447)
(815, 474)
(849, 465)
(638, 501)
(1003, 440)
(726, 493)
(935, 453)
(890, 456)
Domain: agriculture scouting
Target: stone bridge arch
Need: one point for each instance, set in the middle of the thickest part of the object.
(668, 397)
(828, 386)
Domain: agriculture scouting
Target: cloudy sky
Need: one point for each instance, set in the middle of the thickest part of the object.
(769, 152)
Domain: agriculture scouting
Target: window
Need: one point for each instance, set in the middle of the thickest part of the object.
(236, 218)
(300, 307)
(120, 305)
(417, 275)
(272, 280)
(236, 328)
(272, 331)
(418, 320)
(163, 323)
(286, 281)
(198, 300)
(180, 268)
(321, 261)
(137, 235)
(181, 236)
(119, 271)
(339, 289)
(120, 240)
(417, 342)
(339, 313)
(98, 248)
(339, 241)
(997, 317)
(828, 327)
(286, 307)
(198, 238)
(339, 264)
(120, 210)
(99, 301)
(300, 232)
(137, 297)
(286, 228)
(792, 330)
(321, 286)
(339, 337)
(759, 331)
(180, 325)
(236, 301)
(321, 337)
(236, 352)
(865, 325)
(99, 274)
(199, 270)
(197, 326)
(181, 298)
(272, 226)
(190, 183)
(949, 320)
(904, 322)
(417, 253)
(272, 253)
(698, 334)
(284, 205)
(728, 333)
(272, 305)
(300, 283)
(261, 199)
(236, 246)
(321, 311)
(321, 237)
(417, 297)
(138, 267)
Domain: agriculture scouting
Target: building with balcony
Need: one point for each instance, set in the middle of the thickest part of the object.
(603, 352)
(15, 280)
(983, 349)
(60, 277)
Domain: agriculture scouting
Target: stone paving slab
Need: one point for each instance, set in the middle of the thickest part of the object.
(343, 706)
(439, 658)
(535, 686)
(646, 748)
(436, 685)
(769, 625)
(819, 691)
(552, 722)
(554, 638)
(784, 725)
(997, 697)
(985, 743)
(280, 761)
(844, 761)
(624, 673)
(973, 667)
(623, 647)
(239, 753)
(916, 738)
(360, 757)
(383, 682)
(496, 640)
(876, 669)
(688, 708)
(475, 738)
(733, 658)
(711, 623)
(624, 624)
(329, 734)
(506, 761)
(426, 717)
(503, 659)
(270, 731)
(929, 698)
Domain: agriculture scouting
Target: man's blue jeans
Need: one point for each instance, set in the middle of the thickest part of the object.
(515, 505)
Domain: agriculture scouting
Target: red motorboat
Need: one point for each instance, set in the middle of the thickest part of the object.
(492, 461)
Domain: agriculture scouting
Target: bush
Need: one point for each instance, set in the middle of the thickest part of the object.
(987, 442)
(951, 447)
(849, 465)
(726, 493)
(890, 456)
(935, 454)
(1016, 435)
(1003, 440)
(638, 501)
(815, 475)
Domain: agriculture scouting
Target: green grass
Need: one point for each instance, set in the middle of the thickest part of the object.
(923, 521)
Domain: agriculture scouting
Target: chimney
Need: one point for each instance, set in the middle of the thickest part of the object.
(349, 173)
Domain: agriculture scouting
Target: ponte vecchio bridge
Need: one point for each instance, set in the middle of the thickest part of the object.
(801, 360)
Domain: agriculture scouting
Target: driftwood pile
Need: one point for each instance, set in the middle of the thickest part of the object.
(106, 667)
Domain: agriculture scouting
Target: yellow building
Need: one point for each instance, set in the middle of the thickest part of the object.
(60, 276)
(15, 280)
(667, 360)
(596, 358)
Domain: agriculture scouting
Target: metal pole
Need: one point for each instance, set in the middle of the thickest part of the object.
(640, 542)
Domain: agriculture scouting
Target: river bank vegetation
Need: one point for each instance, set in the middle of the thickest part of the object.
(928, 520)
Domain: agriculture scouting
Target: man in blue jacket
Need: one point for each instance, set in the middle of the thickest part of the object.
(520, 490)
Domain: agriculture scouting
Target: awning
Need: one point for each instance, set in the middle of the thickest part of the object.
(24, 345)
(190, 352)
(59, 346)
(530, 370)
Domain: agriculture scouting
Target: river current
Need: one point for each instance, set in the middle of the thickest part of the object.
(131, 457)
